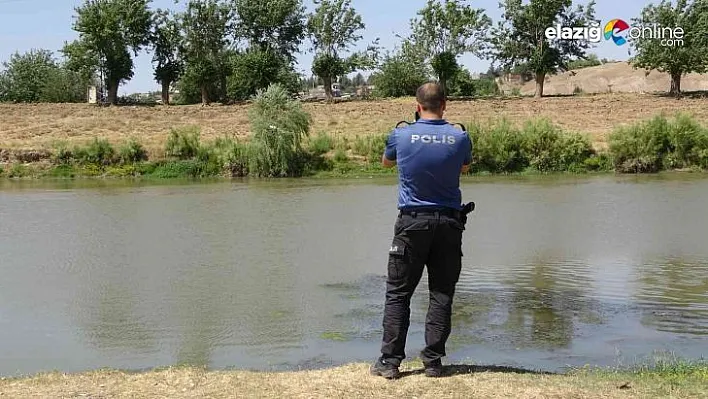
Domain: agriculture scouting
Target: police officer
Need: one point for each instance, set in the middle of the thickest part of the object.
(430, 154)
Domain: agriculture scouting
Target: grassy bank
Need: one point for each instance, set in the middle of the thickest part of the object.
(500, 147)
(680, 380)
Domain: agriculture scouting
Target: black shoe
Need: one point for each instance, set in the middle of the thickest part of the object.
(434, 369)
(385, 369)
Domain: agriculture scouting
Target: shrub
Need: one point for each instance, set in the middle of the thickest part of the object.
(279, 125)
(321, 144)
(497, 150)
(687, 141)
(549, 149)
(183, 143)
(640, 147)
(132, 152)
(99, 152)
(340, 156)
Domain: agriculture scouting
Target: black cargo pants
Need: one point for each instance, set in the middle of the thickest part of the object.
(422, 239)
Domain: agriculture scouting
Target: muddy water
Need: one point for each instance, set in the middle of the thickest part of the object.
(290, 274)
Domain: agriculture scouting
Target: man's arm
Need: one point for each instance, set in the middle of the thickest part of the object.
(468, 155)
(388, 160)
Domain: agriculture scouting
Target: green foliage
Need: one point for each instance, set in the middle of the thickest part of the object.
(276, 25)
(168, 48)
(500, 149)
(132, 152)
(36, 77)
(538, 145)
(445, 30)
(464, 85)
(548, 149)
(659, 144)
(333, 28)
(398, 77)
(370, 146)
(687, 57)
(255, 69)
(99, 152)
(321, 144)
(183, 143)
(205, 26)
(279, 125)
(340, 156)
(18, 170)
(519, 40)
(108, 31)
(590, 61)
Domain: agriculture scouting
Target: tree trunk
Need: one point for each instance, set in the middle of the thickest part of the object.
(328, 88)
(675, 85)
(443, 85)
(540, 80)
(205, 95)
(112, 93)
(165, 92)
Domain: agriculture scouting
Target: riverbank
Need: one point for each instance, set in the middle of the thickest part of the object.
(676, 380)
(538, 146)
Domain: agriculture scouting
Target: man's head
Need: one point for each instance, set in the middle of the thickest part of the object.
(431, 101)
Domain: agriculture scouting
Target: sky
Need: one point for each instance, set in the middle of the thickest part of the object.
(46, 24)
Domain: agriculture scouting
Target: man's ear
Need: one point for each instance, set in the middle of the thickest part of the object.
(443, 106)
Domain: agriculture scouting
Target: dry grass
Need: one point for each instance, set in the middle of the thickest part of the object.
(42, 126)
(347, 381)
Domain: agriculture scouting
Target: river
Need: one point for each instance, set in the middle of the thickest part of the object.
(280, 275)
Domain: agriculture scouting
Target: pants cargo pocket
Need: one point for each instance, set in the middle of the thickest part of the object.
(397, 260)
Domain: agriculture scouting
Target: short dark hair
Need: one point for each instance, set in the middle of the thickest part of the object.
(430, 96)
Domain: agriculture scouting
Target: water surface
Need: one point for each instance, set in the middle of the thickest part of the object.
(290, 274)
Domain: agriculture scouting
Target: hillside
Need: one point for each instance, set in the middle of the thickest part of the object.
(618, 77)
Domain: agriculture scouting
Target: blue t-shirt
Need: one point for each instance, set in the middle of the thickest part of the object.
(430, 154)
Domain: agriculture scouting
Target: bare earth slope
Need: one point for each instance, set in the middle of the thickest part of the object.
(44, 125)
(618, 77)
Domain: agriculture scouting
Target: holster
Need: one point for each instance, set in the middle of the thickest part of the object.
(466, 210)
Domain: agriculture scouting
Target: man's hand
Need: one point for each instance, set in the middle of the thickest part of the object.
(387, 163)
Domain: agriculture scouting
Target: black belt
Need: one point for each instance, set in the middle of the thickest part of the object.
(453, 213)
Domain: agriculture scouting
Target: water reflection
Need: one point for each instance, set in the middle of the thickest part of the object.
(673, 296)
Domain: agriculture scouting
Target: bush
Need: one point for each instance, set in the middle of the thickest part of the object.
(370, 146)
(132, 152)
(498, 150)
(100, 153)
(321, 144)
(640, 147)
(279, 125)
(183, 143)
(549, 149)
(340, 156)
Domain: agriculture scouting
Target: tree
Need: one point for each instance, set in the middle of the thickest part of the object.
(167, 43)
(276, 25)
(680, 58)
(333, 29)
(397, 77)
(36, 77)
(255, 69)
(108, 31)
(447, 30)
(520, 41)
(206, 26)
